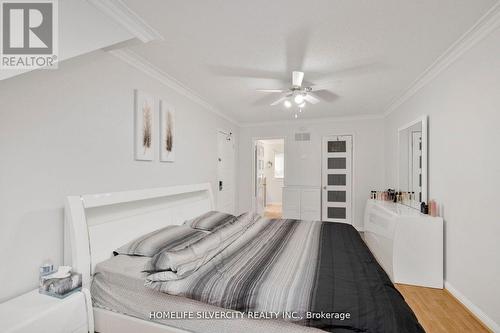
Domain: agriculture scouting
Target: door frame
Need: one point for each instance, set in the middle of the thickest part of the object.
(216, 190)
(353, 176)
(252, 169)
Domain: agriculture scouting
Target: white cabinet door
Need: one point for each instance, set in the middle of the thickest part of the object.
(301, 203)
(291, 203)
(310, 204)
(337, 179)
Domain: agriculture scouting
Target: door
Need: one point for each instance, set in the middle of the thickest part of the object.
(337, 179)
(260, 179)
(225, 172)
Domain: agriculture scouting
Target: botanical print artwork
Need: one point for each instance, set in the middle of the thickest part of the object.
(144, 126)
(167, 133)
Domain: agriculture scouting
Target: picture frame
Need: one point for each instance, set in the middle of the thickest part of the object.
(168, 140)
(144, 118)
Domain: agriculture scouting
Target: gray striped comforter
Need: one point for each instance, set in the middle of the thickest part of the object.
(320, 272)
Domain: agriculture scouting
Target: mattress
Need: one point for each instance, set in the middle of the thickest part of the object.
(118, 285)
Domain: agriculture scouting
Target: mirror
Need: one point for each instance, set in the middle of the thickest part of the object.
(412, 162)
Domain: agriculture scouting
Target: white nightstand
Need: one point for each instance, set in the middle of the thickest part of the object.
(34, 312)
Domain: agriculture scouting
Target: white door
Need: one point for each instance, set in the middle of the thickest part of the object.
(225, 173)
(260, 180)
(337, 179)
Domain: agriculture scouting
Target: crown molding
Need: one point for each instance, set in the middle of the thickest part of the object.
(126, 17)
(311, 121)
(148, 68)
(486, 24)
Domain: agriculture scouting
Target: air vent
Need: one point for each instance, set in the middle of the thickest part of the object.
(302, 136)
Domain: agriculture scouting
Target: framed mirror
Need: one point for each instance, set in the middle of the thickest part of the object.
(412, 162)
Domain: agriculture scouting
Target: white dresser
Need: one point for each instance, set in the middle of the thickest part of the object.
(406, 243)
(302, 202)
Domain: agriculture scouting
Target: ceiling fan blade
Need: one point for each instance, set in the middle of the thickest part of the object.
(278, 101)
(352, 70)
(296, 47)
(297, 78)
(311, 98)
(326, 95)
(264, 100)
(243, 72)
(271, 90)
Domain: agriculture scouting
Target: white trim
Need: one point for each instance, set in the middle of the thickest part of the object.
(311, 121)
(126, 17)
(490, 323)
(148, 68)
(486, 24)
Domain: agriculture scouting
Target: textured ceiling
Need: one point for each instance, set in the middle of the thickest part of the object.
(366, 52)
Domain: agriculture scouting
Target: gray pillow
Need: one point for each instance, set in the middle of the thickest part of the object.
(210, 220)
(170, 265)
(172, 237)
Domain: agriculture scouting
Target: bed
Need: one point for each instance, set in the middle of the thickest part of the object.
(275, 266)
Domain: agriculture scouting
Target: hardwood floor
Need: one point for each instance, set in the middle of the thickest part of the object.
(273, 211)
(438, 311)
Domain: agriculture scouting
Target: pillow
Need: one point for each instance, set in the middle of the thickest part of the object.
(177, 264)
(172, 237)
(210, 220)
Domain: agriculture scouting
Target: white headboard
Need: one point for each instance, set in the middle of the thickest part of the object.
(97, 224)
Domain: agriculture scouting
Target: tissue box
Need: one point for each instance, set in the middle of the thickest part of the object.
(62, 287)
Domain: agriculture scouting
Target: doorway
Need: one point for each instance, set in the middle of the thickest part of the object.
(225, 172)
(337, 179)
(269, 176)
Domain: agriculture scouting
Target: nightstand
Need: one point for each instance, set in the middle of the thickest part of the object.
(35, 312)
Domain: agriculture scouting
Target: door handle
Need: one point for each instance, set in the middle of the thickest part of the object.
(324, 188)
(220, 185)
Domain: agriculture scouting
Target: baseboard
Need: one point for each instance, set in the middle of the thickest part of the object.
(476, 311)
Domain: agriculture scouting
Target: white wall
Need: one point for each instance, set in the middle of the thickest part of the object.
(303, 159)
(70, 131)
(463, 105)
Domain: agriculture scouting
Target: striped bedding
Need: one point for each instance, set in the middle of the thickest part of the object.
(321, 274)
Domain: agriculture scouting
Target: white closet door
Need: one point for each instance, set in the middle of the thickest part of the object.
(337, 179)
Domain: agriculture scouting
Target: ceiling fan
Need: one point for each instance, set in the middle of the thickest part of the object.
(296, 93)
(301, 92)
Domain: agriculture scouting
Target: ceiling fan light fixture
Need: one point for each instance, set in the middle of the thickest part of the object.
(299, 99)
(303, 105)
(287, 104)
